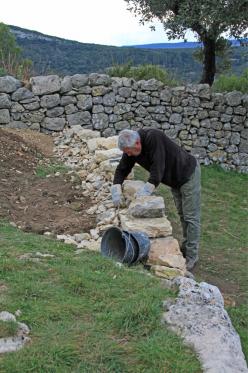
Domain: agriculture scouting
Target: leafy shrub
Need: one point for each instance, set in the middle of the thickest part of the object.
(232, 83)
(11, 60)
(142, 72)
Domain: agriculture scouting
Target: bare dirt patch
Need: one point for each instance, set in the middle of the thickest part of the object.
(33, 203)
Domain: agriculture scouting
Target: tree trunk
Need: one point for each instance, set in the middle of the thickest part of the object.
(209, 64)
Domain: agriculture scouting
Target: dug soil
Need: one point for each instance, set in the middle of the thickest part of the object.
(35, 204)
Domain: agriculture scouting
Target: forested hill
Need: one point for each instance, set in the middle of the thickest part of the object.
(183, 44)
(65, 57)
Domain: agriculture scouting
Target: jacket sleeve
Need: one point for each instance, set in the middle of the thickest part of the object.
(158, 158)
(123, 169)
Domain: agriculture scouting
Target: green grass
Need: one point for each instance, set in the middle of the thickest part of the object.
(88, 315)
(50, 169)
(229, 83)
(8, 328)
(224, 237)
(85, 313)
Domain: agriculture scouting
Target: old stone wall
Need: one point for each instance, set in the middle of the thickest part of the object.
(212, 126)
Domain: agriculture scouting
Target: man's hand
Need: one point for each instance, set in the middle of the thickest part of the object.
(146, 190)
(116, 193)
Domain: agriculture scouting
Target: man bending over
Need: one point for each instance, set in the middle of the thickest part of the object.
(171, 165)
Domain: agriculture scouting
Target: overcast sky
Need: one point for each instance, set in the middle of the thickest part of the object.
(105, 22)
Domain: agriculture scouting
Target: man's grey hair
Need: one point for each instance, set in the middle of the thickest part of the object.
(127, 139)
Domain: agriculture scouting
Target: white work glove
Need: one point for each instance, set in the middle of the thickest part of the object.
(116, 193)
(146, 190)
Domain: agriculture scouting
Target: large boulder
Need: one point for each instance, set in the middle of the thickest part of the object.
(4, 116)
(42, 85)
(5, 102)
(8, 84)
(22, 94)
(198, 315)
(53, 124)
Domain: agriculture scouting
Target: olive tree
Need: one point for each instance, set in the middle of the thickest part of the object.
(210, 20)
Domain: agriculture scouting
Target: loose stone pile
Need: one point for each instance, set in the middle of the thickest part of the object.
(94, 159)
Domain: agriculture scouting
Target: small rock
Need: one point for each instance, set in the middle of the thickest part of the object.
(79, 251)
(62, 237)
(7, 316)
(44, 255)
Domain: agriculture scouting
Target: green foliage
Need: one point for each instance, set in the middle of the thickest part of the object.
(11, 60)
(7, 43)
(120, 70)
(86, 314)
(208, 19)
(142, 72)
(66, 57)
(228, 83)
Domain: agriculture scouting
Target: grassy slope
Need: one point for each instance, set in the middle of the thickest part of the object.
(85, 313)
(224, 238)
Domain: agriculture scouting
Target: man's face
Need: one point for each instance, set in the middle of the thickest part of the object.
(134, 151)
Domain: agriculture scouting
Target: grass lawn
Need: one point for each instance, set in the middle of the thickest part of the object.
(224, 238)
(86, 314)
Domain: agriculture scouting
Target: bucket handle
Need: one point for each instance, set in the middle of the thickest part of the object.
(129, 241)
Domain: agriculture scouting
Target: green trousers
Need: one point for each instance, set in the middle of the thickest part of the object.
(187, 199)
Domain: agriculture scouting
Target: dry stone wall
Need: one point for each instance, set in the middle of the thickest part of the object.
(212, 126)
(94, 159)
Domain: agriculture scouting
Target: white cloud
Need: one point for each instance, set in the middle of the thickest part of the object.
(88, 21)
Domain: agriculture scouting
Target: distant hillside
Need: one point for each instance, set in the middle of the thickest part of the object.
(65, 57)
(186, 44)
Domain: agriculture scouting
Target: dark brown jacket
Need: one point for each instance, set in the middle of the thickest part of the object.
(166, 161)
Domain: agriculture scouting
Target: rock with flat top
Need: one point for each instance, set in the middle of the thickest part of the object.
(147, 207)
(156, 227)
(164, 245)
(168, 260)
(166, 272)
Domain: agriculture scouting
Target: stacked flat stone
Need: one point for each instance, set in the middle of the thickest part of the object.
(147, 214)
(213, 126)
(95, 159)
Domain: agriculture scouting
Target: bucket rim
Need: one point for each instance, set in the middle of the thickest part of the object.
(143, 251)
